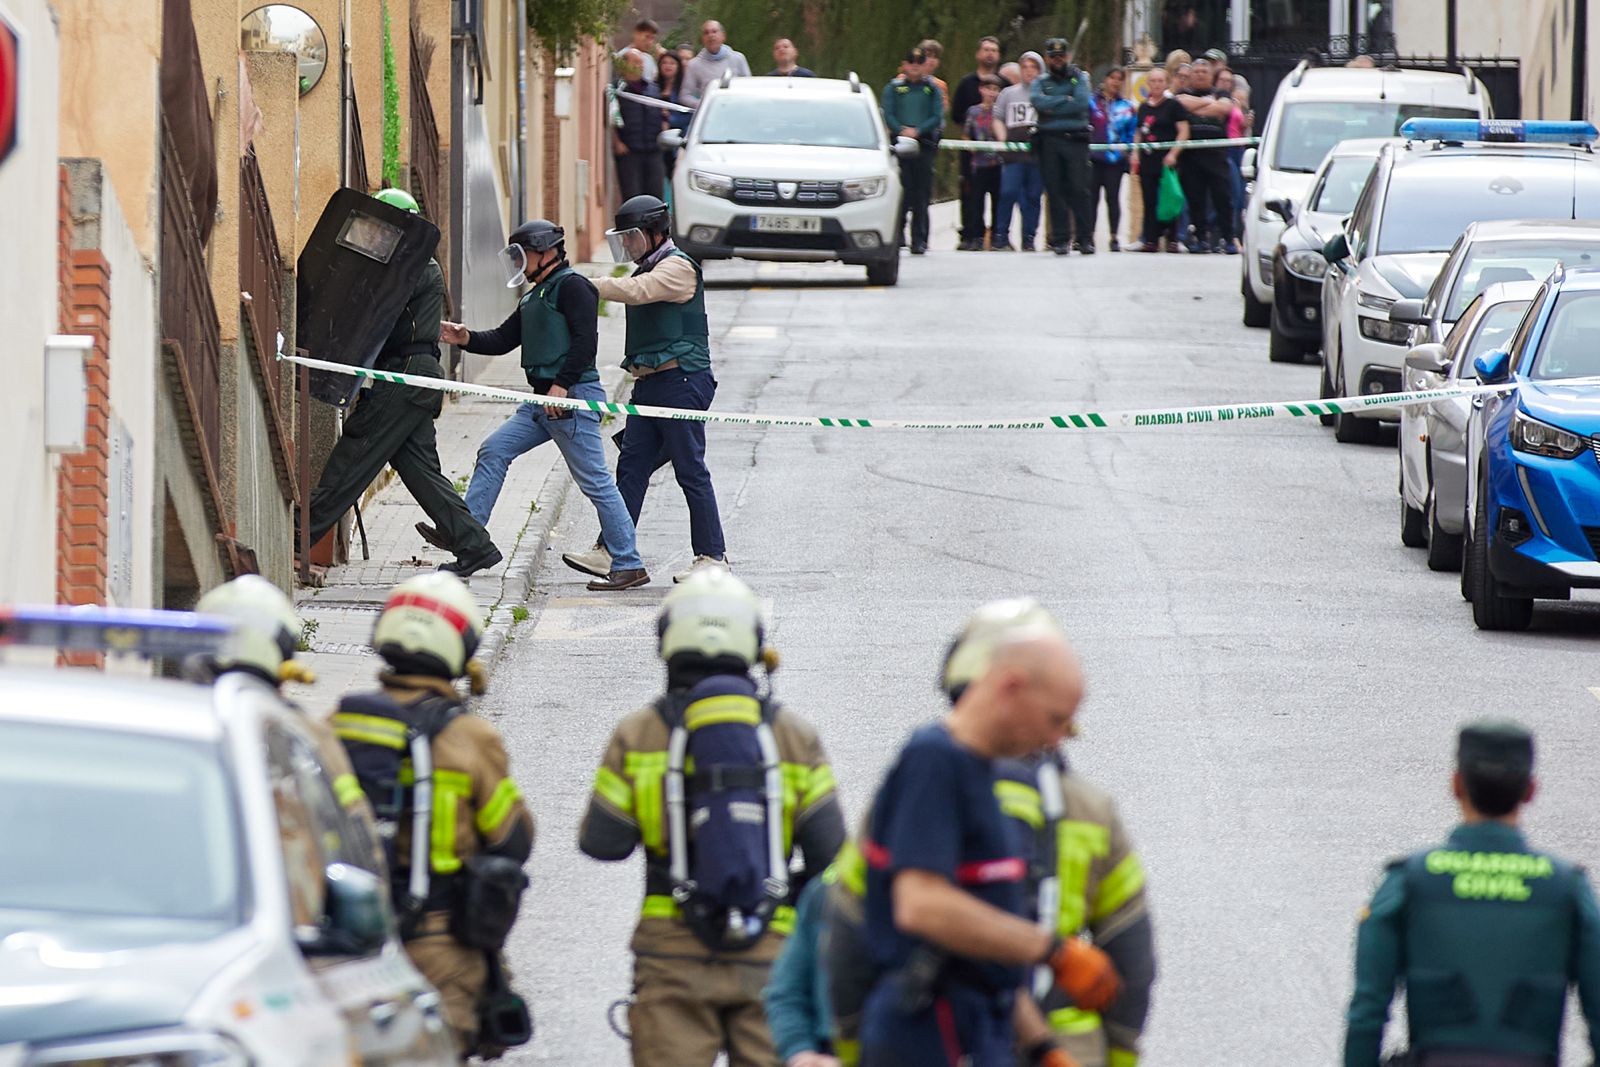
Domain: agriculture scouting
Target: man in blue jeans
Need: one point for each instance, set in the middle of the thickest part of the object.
(556, 326)
(668, 349)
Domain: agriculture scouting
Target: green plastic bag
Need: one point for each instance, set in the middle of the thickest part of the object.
(1169, 199)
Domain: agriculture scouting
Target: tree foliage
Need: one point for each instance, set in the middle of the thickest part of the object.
(561, 24)
(837, 36)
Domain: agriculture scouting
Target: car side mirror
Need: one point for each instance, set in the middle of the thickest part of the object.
(1427, 359)
(1247, 164)
(1281, 207)
(905, 147)
(1407, 312)
(355, 915)
(1337, 248)
(670, 139)
(1493, 367)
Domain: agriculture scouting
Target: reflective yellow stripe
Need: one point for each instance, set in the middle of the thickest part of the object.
(615, 789)
(646, 770)
(1074, 1021)
(1125, 879)
(1121, 1057)
(346, 790)
(663, 907)
(724, 709)
(849, 1052)
(822, 783)
(1019, 801)
(495, 813)
(370, 729)
(457, 782)
(442, 839)
(1077, 846)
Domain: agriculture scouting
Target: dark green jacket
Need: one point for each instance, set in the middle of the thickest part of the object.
(662, 332)
(919, 105)
(1062, 103)
(1486, 935)
(416, 330)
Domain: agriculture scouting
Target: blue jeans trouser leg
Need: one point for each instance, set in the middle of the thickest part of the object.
(523, 432)
(684, 443)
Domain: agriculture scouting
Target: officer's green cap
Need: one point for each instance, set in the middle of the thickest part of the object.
(1496, 746)
(1057, 46)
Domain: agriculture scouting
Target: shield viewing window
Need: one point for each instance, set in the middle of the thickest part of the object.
(372, 237)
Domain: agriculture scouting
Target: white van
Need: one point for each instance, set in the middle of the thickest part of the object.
(1315, 108)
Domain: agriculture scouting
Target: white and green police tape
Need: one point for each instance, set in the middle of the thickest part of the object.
(1142, 146)
(1133, 419)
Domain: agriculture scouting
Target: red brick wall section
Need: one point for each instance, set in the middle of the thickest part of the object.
(83, 489)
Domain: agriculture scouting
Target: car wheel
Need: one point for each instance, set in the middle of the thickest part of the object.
(1413, 523)
(1444, 549)
(1492, 610)
(1281, 349)
(1256, 313)
(1325, 392)
(884, 272)
(1353, 430)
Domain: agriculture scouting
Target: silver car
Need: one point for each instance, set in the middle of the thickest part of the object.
(182, 887)
(1433, 481)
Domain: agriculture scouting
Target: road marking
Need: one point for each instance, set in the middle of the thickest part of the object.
(1594, 691)
(752, 333)
(602, 618)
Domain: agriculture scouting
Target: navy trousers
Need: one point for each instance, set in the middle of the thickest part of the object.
(682, 443)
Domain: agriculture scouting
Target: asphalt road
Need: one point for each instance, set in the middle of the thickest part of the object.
(1274, 682)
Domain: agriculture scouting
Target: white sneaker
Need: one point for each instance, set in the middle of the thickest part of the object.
(596, 561)
(703, 561)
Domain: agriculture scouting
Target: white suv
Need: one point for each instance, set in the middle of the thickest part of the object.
(789, 169)
(1314, 109)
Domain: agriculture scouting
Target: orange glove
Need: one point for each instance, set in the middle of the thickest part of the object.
(1085, 973)
(1057, 1057)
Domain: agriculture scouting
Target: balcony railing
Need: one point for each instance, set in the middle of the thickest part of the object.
(189, 330)
(356, 167)
(425, 153)
(261, 304)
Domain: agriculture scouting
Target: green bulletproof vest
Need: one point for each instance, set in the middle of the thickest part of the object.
(656, 327)
(1488, 935)
(545, 337)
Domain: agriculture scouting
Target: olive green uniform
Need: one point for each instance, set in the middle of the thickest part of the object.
(690, 1003)
(1486, 935)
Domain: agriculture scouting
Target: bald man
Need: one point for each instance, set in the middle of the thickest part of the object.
(945, 901)
(714, 60)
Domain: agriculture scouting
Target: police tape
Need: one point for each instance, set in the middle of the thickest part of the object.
(1133, 419)
(649, 101)
(1142, 146)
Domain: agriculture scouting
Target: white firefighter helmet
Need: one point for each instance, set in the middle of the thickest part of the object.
(429, 625)
(266, 630)
(989, 626)
(713, 615)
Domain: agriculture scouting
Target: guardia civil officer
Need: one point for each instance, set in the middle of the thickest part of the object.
(946, 912)
(668, 351)
(1062, 97)
(479, 832)
(717, 908)
(1486, 933)
(556, 326)
(1084, 876)
(913, 106)
(393, 424)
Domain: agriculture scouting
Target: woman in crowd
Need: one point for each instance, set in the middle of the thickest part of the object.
(669, 83)
(1161, 118)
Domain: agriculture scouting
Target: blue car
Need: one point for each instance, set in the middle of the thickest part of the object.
(1533, 500)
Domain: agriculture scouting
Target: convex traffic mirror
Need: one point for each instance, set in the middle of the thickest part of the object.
(285, 28)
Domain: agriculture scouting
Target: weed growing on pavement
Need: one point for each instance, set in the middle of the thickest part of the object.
(308, 630)
(519, 614)
(460, 485)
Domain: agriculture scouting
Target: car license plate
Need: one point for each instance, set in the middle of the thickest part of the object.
(785, 224)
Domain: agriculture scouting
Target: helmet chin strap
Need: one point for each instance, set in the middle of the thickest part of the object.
(545, 271)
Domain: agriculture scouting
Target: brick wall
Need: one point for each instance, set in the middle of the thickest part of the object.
(83, 489)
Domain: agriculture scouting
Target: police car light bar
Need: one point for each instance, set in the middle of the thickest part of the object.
(1503, 130)
(96, 629)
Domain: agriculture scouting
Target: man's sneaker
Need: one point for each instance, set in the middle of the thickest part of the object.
(1115, 247)
(702, 561)
(617, 580)
(461, 568)
(969, 246)
(1086, 248)
(1231, 248)
(1002, 246)
(1028, 245)
(596, 561)
(1061, 250)
(433, 537)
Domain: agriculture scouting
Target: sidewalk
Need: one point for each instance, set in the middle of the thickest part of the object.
(339, 616)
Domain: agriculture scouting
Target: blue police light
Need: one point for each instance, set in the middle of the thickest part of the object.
(1502, 130)
(96, 629)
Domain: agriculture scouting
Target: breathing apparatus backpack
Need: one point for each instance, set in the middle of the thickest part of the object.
(727, 855)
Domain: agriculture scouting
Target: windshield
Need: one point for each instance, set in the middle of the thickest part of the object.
(1432, 201)
(846, 122)
(1308, 130)
(101, 825)
(1494, 331)
(1342, 184)
(1516, 261)
(1570, 347)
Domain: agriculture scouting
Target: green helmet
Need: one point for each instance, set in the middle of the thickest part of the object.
(399, 198)
(429, 625)
(997, 621)
(712, 616)
(266, 629)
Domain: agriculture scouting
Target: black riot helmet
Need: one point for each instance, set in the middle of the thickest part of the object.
(639, 220)
(539, 235)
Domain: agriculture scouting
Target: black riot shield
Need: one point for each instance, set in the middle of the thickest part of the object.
(354, 278)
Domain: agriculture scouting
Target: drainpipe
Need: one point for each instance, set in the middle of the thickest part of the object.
(1580, 66)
